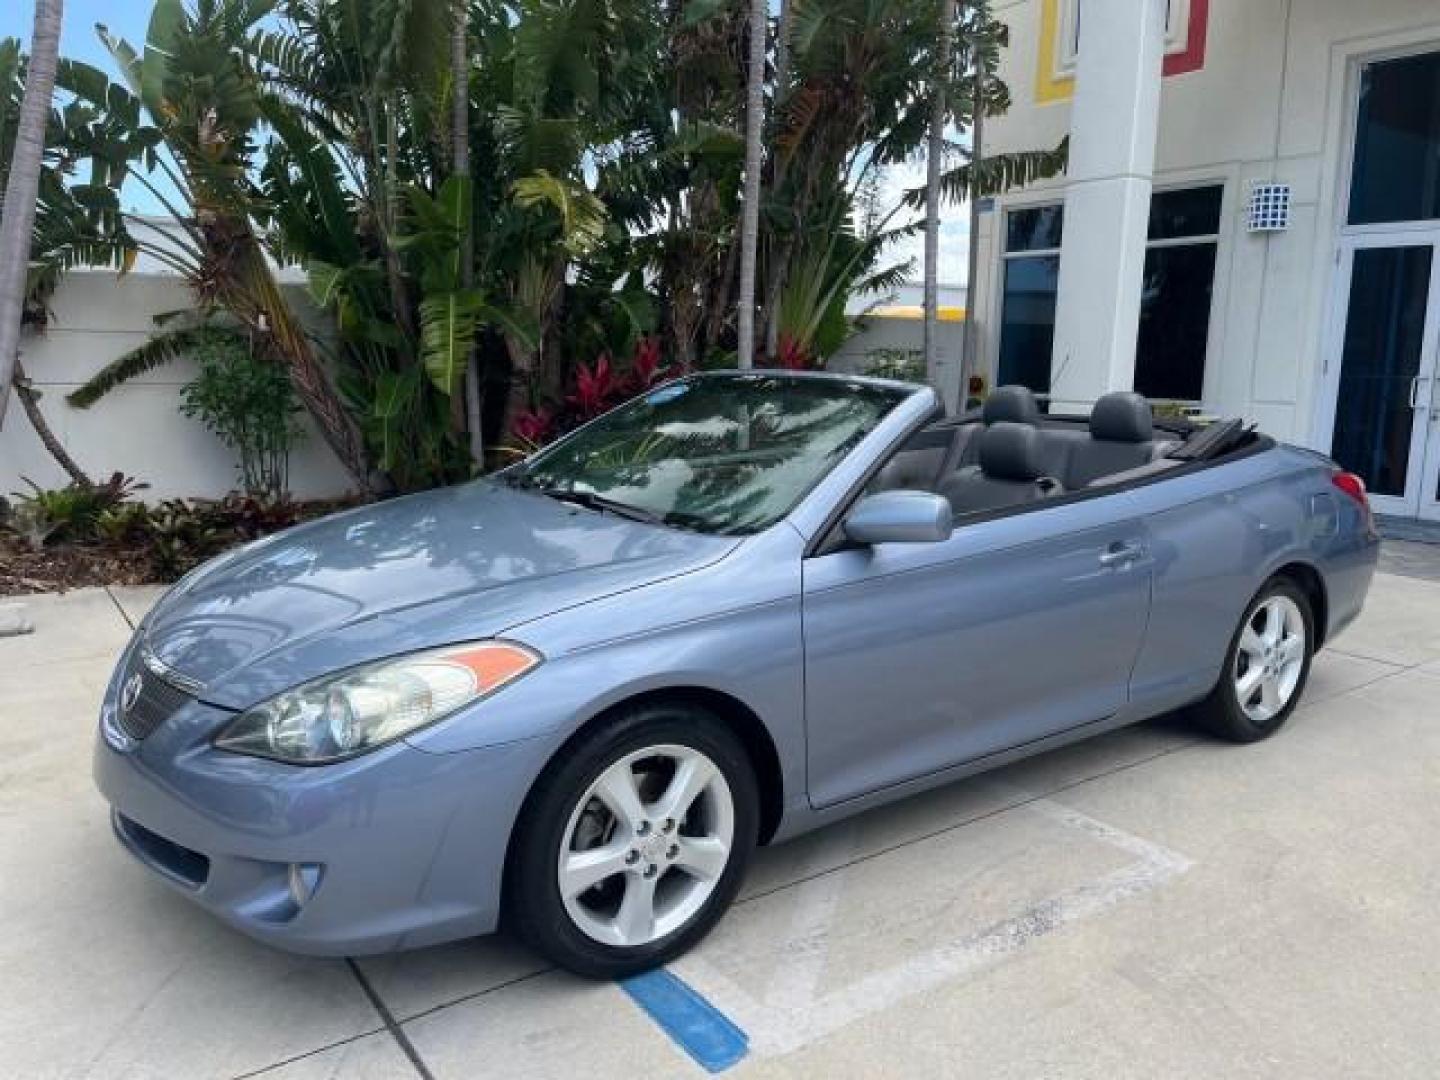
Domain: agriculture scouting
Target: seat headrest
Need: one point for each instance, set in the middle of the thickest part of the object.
(1010, 405)
(1123, 416)
(1011, 452)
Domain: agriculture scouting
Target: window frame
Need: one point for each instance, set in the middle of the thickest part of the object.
(1194, 240)
(1067, 35)
(1006, 257)
(1181, 180)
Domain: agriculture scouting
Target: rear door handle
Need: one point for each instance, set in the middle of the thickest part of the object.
(1121, 554)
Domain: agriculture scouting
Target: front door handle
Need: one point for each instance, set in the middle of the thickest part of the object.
(1415, 391)
(1121, 554)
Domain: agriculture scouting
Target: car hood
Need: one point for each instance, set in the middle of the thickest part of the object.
(455, 564)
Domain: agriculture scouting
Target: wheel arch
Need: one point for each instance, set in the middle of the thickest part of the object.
(746, 724)
(1312, 584)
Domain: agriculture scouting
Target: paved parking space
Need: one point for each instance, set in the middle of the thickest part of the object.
(1149, 903)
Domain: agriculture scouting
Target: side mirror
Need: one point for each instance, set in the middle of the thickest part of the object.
(914, 517)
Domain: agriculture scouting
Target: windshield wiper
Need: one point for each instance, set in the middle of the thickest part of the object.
(591, 501)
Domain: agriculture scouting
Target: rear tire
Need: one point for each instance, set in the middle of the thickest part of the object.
(634, 841)
(1266, 667)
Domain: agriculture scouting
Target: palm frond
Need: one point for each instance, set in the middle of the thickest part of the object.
(160, 350)
(997, 174)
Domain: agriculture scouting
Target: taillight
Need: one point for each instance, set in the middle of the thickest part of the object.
(1353, 486)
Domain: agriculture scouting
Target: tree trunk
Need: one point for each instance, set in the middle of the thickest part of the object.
(934, 161)
(750, 208)
(30, 402)
(460, 164)
(257, 300)
(780, 261)
(969, 362)
(18, 222)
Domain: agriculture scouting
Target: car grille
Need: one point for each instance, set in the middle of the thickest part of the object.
(149, 706)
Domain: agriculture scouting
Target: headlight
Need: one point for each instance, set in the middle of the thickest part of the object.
(353, 711)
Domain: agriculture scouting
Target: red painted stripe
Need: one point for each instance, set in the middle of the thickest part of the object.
(1193, 58)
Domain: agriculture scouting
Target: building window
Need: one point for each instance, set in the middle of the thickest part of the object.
(1030, 275)
(1175, 295)
(1067, 51)
(1396, 174)
(1183, 238)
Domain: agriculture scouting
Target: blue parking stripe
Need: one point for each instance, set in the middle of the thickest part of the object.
(700, 1029)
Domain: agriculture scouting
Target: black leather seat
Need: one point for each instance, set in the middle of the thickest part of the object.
(1122, 437)
(1005, 405)
(1011, 471)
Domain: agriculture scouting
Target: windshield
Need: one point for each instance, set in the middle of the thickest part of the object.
(720, 454)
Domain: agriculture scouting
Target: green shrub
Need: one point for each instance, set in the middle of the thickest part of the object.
(252, 407)
(69, 513)
(907, 365)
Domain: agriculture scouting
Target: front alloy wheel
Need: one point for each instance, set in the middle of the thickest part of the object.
(633, 841)
(646, 845)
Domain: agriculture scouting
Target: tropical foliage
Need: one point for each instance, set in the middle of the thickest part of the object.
(251, 405)
(598, 218)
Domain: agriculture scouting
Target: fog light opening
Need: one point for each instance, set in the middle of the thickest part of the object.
(304, 878)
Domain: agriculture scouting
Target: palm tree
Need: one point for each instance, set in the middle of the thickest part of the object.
(205, 106)
(750, 206)
(970, 342)
(23, 184)
(460, 166)
(784, 30)
(934, 154)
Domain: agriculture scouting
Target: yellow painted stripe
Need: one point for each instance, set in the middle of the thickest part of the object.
(945, 313)
(1047, 87)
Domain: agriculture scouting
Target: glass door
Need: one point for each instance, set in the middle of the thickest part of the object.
(1381, 405)
(1384, 377)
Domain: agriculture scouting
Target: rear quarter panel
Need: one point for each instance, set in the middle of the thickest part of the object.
(1215, 536)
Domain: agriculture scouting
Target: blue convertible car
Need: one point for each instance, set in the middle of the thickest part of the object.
(574, 696)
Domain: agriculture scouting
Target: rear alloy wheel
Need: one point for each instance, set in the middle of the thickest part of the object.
(633, 845)
(1266, 667)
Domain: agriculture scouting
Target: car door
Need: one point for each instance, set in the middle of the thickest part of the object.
(920, 656)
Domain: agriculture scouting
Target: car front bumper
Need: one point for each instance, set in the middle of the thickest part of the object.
(396, 849)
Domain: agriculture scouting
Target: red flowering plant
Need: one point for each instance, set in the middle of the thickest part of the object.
(595, 388)
(792, 356)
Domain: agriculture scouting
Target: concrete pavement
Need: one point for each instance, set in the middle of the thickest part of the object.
(1149, 903)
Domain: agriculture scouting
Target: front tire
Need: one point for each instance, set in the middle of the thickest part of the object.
(1266, 666)
(633, 843)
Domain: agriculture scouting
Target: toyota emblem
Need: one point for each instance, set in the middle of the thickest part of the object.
(130, 692)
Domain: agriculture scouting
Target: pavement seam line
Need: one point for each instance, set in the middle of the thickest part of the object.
(283, 1062)
(119, 608)
(391, 1024)
(463, 998)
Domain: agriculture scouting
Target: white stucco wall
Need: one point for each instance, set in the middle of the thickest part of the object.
(138, 428)
(1274, 101)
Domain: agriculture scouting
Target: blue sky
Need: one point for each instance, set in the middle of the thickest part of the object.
(124, 17)
(78, 41)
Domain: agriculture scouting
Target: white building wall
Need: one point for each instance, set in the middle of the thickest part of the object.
(137, 428)
(1274, 101)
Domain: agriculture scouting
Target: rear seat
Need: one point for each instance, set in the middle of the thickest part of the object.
(1122, 437)
(1120, 441)
(1011, 471)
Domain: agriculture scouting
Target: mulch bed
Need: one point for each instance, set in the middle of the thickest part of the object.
(69, 566)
